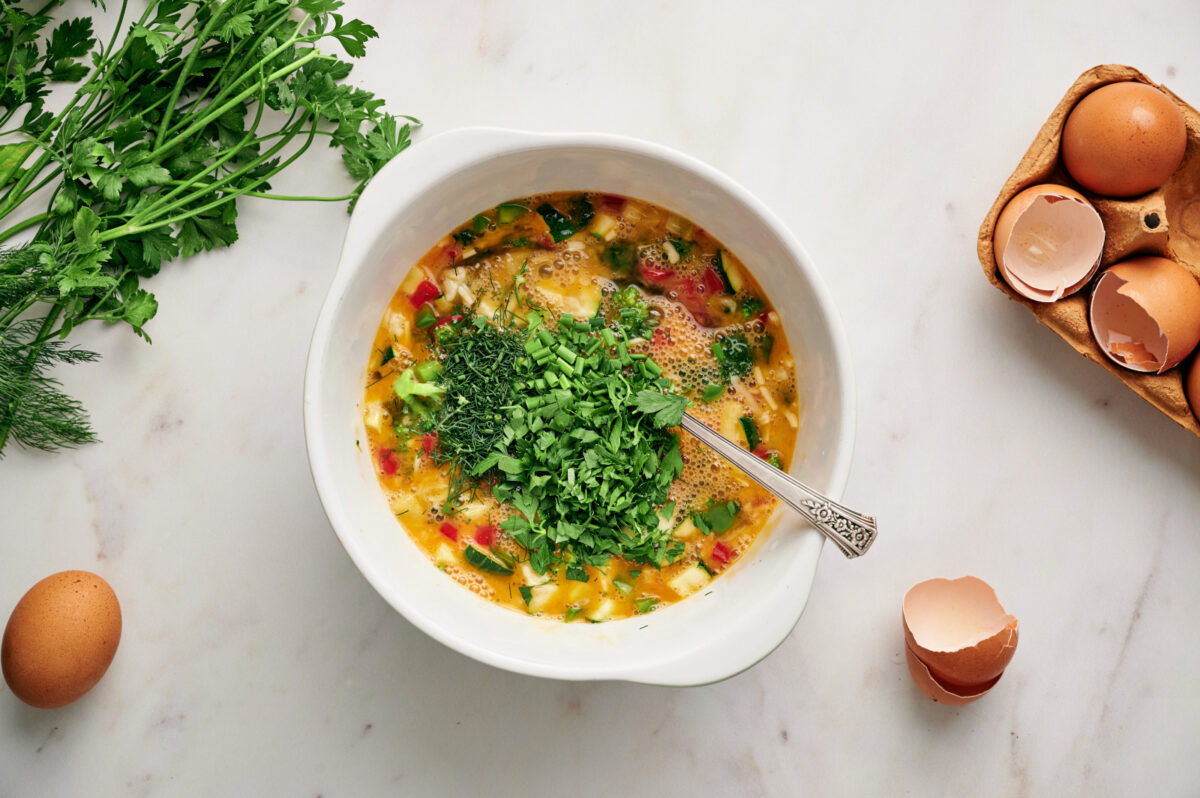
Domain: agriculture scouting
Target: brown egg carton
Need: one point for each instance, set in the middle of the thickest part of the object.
(1165, 222)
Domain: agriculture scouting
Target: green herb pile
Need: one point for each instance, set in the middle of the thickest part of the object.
(478, 375)
(584, 456)
(567, 426)
(191, 105)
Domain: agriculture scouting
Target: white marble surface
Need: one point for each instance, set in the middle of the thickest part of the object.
(257, 661)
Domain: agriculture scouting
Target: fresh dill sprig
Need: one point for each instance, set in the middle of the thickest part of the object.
(478, 374)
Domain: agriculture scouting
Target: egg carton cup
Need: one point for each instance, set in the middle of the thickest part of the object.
(1165, 222)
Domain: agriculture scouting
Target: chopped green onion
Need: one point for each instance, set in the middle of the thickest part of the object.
(711, 392)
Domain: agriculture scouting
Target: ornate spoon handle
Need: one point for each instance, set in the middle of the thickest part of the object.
(852, 532)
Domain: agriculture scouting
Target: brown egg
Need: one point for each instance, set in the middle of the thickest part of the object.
(60, 639)
(960, 635)
(1145, 313)
(1192, 388)
(1124, 139)
(1048, 241)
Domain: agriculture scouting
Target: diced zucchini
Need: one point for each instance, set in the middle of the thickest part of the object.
(671, 252)
(603, 224)
(582, 302)
(404, 503)
(485, 563)
(726, 272)
(689, 580)
(373, 418)
(444, 556)
(510, 212)
(602, 612)
(561, 227)
(749, 432)
(645, 604)
(414, 278)
(540, 595)
(731, 423)
(486, 308)
(687, 530)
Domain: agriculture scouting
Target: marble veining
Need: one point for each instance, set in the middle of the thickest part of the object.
(255, 658)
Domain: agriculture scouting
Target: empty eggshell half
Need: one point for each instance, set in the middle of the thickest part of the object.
(958, 629)
(943, 693)
(1048, 241)
(1145, 313)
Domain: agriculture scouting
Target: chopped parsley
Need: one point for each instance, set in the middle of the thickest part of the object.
(583, 454)
(734, 355)
(632, 313)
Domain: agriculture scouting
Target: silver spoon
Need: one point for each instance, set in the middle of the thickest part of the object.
(852, 532)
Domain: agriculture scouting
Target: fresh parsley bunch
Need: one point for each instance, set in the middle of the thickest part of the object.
(199, 102)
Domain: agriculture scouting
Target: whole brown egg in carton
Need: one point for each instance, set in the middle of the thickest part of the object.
(1148, 224)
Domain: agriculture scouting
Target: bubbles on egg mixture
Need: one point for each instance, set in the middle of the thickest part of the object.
(472, 580)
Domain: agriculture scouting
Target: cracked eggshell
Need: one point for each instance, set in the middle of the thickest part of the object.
(958, 629)
(1145, 313)
(1048, 241)
(948, 694)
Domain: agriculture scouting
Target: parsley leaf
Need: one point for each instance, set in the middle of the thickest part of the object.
(666, 408)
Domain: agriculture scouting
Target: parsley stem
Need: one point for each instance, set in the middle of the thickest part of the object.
(132, 228)
(203, 36)
(24, 225)
(212, 115)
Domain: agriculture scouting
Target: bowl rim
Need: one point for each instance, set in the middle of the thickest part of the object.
(459, 147)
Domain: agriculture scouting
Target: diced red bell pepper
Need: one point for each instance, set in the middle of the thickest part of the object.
(762, 452)
(712, 282)
(450, 531)
(388, 462)
(429, 442)
(426, 291)
(611, 203)
(655, 274)
(447, 320)
(721, 553)
(486, 535)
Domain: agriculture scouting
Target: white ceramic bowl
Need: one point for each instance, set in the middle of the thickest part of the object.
(413, 202)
